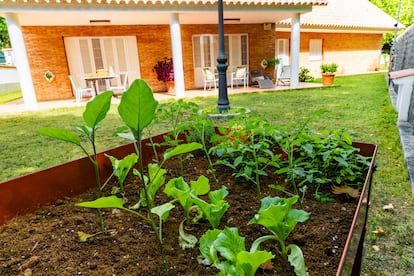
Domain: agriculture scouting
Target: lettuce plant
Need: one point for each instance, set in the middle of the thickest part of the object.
(226, 250)
(277, 215)
(214, 211)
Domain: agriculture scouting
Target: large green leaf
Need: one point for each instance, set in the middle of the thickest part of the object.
(229, 243)
(123, 166)
(181, 149)
(297, 260)
(206, 244)
(250, 261)
(103, 202)
(97, 108)
(60, 134)
(201, 186)
(163, 211)
(137, 107)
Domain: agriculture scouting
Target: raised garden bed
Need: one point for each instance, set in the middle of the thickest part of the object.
(42, 224)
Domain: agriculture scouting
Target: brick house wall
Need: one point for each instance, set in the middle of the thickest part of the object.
(355, 53)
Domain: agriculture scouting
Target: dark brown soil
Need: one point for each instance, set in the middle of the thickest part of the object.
(46, 242)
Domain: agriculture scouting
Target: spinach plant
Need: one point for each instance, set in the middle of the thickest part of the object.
(277, 215)
(137, 108)
(95, 112)
(226, 250)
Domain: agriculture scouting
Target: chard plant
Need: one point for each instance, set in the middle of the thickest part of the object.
(95, 112)
(246, 146)
(137, 109)
(226, 250)
(279, 218)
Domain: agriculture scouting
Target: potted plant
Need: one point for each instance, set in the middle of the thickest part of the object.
(273, 63)
(165, 72)
(328, 73)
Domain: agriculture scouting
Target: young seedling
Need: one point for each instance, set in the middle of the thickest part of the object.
(214, 211)
(121, 168)
(137, 108)
(93, 115)
(245, 147)
(226, 250)
(277, 215)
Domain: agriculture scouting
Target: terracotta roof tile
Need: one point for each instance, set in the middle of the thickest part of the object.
(354, 14)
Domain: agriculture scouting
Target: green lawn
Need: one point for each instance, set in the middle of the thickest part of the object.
(10, 96)
(360, 103)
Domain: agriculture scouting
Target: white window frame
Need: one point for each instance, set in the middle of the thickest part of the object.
(315, 49)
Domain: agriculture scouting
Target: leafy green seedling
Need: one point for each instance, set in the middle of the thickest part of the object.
(121, 169)
(95, 112)
(214, 211)
(278, 216)
(226, 250)
(181, 191)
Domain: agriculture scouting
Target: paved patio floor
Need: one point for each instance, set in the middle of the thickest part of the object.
(19, 107)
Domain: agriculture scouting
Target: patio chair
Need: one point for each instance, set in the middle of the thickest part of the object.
(284, 76)
(256, 76)
(209, 78)
(239, 76)
(123, 80)
(78, 90)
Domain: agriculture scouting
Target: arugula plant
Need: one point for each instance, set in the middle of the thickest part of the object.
(226, 250)
(137, 109)
(95, 112)
(279, 218)
(246, 146)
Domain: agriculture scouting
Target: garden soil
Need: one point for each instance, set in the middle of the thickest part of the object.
(46, 241)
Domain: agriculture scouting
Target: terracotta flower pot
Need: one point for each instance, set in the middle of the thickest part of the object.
(328, 79)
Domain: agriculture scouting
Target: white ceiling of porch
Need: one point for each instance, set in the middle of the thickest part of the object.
(59, 18)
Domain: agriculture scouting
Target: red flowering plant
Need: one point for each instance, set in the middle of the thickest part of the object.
(164, 69)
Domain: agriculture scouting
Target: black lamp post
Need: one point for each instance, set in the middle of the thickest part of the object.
(223, 101)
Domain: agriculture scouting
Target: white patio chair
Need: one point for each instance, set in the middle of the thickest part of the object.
(284, 76)
(240, 75)
(209, 78)
(123, 80)
(78, 90)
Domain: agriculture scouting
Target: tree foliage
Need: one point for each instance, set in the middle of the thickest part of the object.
(391, 7)
(4, 35)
